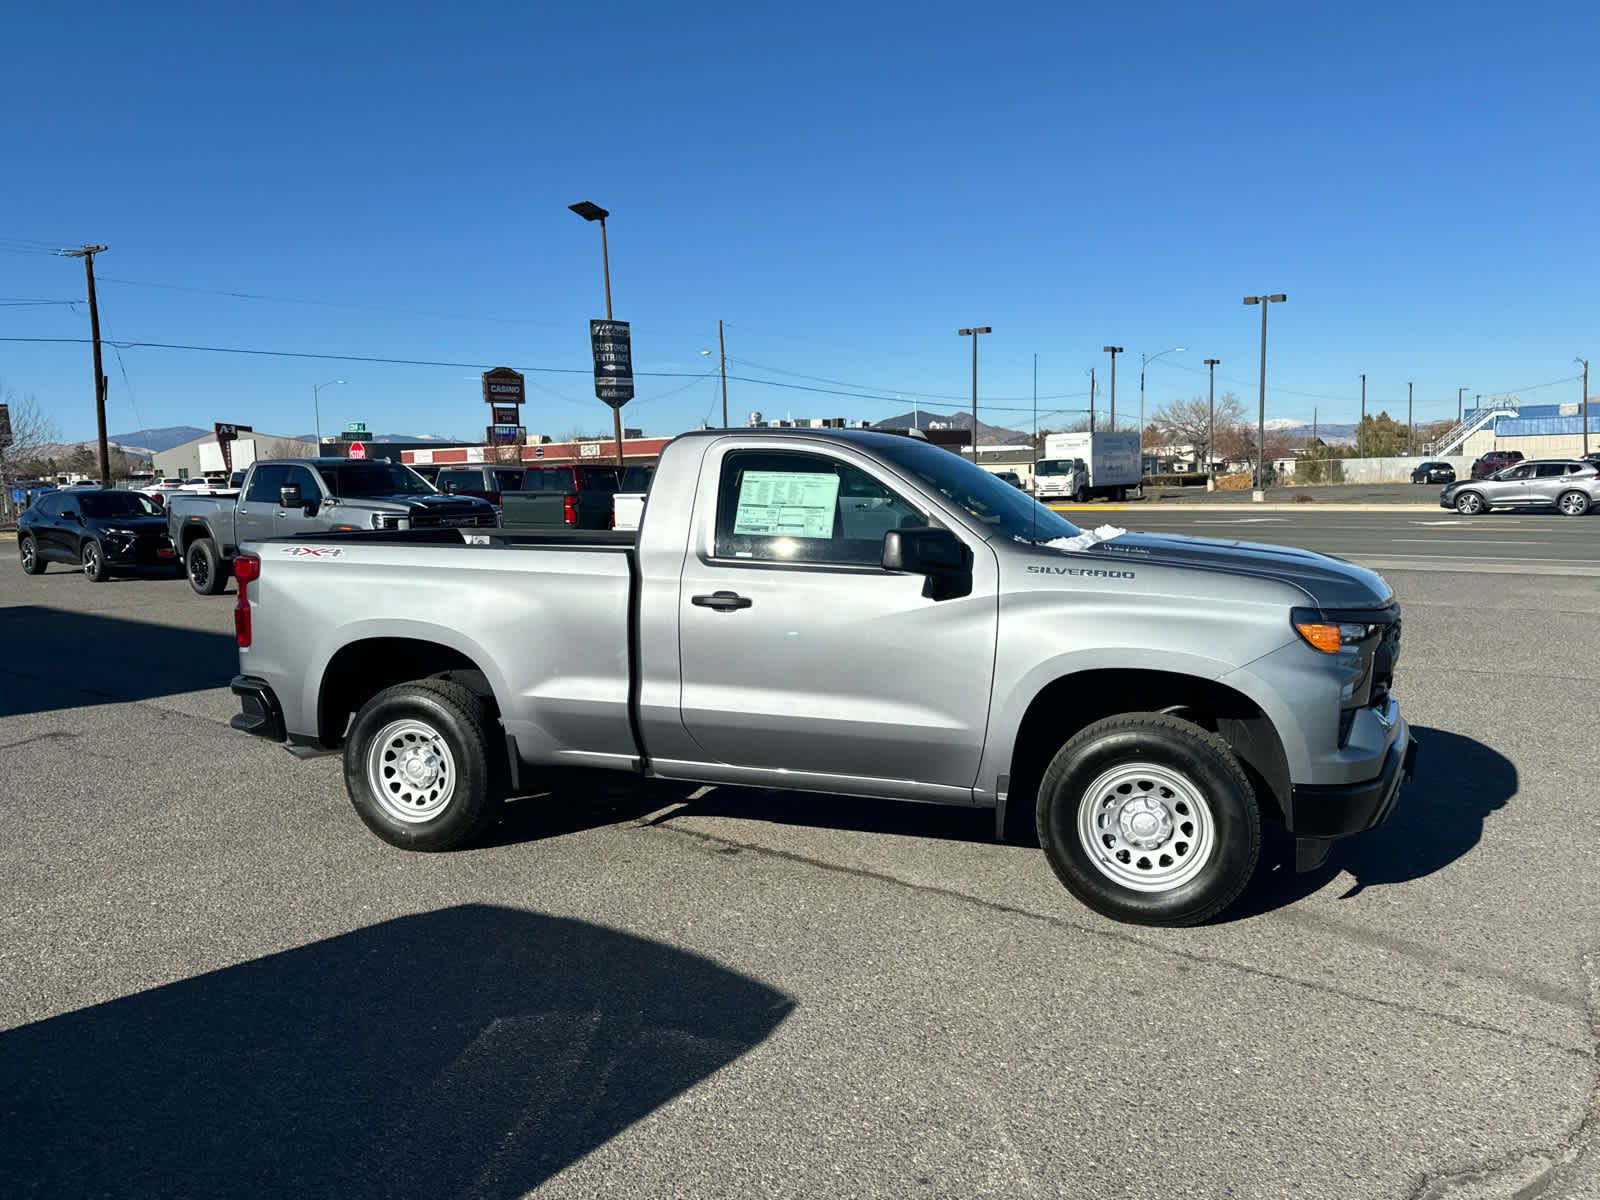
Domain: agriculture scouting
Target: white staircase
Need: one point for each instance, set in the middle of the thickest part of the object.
(1475, 420)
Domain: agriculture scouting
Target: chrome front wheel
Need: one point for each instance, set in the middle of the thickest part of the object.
(1146, 827)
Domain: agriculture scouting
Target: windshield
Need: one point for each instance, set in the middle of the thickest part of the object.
(119, 504)
(1057, 466)
(1006, 511)
(353, 481)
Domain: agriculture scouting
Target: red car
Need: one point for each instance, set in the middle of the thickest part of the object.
(1495, 460)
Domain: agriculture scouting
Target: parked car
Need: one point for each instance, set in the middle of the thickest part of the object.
(1495, 460)
(97, 531)
(1433, 472)
(1012, 478)
(634, 490)
(481, 480)
(572, 496)
(1570, 485)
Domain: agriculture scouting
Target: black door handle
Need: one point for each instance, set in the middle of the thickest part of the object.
(722, 601)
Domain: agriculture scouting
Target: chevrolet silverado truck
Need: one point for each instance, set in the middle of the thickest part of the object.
(854, 613)
(283, 496)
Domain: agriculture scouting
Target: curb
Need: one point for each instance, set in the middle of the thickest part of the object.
(1248, 506)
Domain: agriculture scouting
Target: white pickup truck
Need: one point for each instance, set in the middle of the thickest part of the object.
(857, 613)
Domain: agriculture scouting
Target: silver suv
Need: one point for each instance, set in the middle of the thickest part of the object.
(1570, 485)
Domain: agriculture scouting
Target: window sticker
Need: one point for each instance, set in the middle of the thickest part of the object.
(786, 504)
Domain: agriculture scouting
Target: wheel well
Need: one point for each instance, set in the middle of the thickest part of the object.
(361, 670)
(1073, 702)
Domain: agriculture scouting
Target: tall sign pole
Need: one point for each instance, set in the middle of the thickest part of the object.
(611, 391)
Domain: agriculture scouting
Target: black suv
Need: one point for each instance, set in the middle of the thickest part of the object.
(1495, 460)
(97, 531)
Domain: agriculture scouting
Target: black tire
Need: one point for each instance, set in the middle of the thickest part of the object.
(28, 551)
(93, 558)
(1149, 819)
(1470, 504)
(1573, 503)
(207, 573)
(453, 795)
(1081, 496)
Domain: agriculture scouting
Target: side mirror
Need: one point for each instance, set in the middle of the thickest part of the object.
(289, 496)
(936, 553)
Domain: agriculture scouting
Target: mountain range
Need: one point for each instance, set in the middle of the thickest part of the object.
(144, 442)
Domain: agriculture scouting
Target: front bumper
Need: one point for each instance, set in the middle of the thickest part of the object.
(262, 715)
(1324, 813)
(141, 550)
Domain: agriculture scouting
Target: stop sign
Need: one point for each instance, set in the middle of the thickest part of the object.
(357, 450)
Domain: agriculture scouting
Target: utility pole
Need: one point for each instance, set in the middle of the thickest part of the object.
(87, 253)
(1113, 351)
(1361, 429)
(722, 353)
(1408, 420)
(1091, 400)
(1458, 404)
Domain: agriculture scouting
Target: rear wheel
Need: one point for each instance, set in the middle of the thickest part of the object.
(32, 563)
(1470, 504)
(1573, 504)
(1149, 819)
(423, 767)
(203, 565)
(93, 558)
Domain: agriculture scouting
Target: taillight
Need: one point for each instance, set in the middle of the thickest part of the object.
(569, 509)
(246, 569)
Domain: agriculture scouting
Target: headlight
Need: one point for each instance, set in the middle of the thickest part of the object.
(386, 521)
(1330, 636)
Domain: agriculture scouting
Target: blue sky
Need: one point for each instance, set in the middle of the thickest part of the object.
(843, 185)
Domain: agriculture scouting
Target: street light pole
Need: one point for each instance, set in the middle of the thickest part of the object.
(593, 212)
(1408, 420)
(973, 334)
(1583, 402)
(1144, 361)
(1261, 411)
(316, 408)
(1361, 429)
(1211, 421)
(1113, 351)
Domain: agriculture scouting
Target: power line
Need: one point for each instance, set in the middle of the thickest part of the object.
(377, 308)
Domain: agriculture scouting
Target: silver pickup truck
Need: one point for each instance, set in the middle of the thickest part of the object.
(283, 496)
(855, 613)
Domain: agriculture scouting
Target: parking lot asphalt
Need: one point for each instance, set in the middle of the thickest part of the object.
(218, 983)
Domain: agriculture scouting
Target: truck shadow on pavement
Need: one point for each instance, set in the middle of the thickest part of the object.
(475, 1050)
(1438, 819)
(56, 659)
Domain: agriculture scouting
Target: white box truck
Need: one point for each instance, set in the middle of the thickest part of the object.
(1081, 466)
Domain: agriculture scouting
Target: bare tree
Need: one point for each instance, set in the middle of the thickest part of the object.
(31, 434)
(1189, 422)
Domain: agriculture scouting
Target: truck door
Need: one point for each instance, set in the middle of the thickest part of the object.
(255, 509)
(800, 652)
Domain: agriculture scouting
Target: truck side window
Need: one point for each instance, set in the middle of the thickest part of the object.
(264, 484)
(307, 481)
(787, 506)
